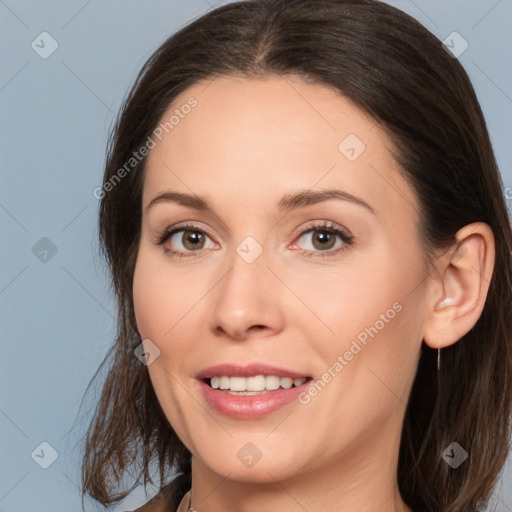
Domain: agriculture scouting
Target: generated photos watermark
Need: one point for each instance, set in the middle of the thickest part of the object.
(355, 348)
(137, 156)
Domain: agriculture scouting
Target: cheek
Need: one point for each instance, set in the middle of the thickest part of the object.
(358, 295)
(155, 314)
(165, 305)
(371, 316)
(151, 302)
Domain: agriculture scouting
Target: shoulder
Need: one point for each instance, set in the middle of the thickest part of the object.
(163, 502)
(159, 503)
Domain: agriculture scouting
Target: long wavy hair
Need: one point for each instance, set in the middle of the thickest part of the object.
(394, 69)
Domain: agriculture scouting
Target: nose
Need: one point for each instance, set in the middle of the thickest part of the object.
(247, 301)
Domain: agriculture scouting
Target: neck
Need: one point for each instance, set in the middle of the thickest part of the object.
(362, 482)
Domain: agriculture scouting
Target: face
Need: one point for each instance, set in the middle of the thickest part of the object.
(328, 288)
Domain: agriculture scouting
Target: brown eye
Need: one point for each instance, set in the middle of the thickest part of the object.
(185, 240)
(192, 240)
(323, 242)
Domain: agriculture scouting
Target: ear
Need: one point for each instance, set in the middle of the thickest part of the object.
(459, 286)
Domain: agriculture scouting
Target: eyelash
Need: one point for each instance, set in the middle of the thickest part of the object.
(328, 227)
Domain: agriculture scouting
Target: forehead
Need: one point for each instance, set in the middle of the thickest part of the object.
(247, 142)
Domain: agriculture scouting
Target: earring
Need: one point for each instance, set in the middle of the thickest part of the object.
(449, 301)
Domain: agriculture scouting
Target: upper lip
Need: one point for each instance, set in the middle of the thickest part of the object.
(235, 370)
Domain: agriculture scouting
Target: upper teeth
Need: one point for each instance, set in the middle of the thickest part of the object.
(256, 383)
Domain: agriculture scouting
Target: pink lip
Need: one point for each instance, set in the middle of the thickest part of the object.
(250, 406)
(233, 370)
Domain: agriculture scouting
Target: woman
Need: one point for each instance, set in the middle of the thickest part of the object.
(308, 240)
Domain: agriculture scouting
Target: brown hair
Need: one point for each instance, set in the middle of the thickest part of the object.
(393, 68)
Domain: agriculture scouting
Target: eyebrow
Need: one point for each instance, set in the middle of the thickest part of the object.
(287, 203)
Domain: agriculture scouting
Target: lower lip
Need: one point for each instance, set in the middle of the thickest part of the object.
(250, 406)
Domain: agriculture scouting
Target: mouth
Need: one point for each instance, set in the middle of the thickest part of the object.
(252, 391)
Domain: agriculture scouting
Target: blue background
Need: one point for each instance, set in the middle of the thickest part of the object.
(57, 316)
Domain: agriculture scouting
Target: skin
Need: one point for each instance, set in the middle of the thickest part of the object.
(244, 146)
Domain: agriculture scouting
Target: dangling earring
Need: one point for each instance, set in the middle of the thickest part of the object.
(449, 301)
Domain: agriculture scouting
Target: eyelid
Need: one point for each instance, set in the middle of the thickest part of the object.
(163, 235)
(323, 224)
